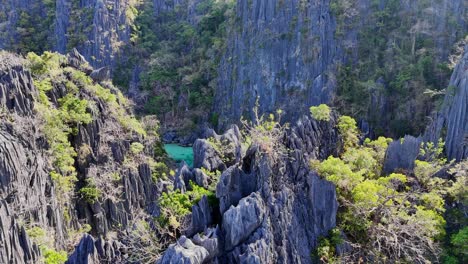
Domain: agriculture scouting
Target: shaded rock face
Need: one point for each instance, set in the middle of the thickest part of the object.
(451, 123)
(105, 24)
(281, 52)
(207, 155)
(27, 193)
(95, 251)
(287, 53)
(401, 154)
(16, 245)
(273, 211)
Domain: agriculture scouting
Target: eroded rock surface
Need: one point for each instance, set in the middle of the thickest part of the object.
(451, 123)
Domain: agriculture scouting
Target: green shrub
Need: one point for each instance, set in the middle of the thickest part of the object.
(176, 205)
(349, 131)
(325, 250)
(136, 148)
(321, 112)
(90, 193)
(375, 205)
(51, 256)
(35, 232)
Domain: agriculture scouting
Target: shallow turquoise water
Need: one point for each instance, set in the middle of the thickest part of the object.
(179, 153)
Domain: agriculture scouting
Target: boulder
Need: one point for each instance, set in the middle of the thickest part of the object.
(201, 217)
(100, 75)
(241, 221)
(209, 239)
(184, 251)
(401, 154)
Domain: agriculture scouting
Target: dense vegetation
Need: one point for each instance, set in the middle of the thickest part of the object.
(397, 217)
(399, 76)
(182, 55)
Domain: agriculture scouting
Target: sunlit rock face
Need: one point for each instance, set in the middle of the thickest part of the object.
(451, 123)
(279, 51)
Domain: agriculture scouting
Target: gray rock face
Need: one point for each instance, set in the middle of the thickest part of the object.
(454, 114)
(272, 211)
(95, 251)
(16, 86)
(207, 156)
(401, 154)
(27, 192)
(239, 222)
(77, 61)
(233, 185)
(100, 75)
(297, 206)
(201, 217)
(85, 252)
(209, 240)
(184, 252)
(106, 25)
(16, 245)
(301, 37)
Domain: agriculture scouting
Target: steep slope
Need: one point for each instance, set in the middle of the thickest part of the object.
(451, 122)
(281, 52)
(73, 159)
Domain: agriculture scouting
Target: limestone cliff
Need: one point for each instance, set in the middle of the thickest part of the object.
(451, 122)
(280, 51)
(108, 184)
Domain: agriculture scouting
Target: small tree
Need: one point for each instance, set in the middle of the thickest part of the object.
(267, 133)
(321, 112)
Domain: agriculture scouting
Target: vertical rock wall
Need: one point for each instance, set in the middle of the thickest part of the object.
(279, 51)
(451, 123)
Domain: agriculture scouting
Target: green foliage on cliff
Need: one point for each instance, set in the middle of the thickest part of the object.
(182, 54)
(377, 209)
(45, 243)
(398, 63)
(321, 112)
(175, 205)
(33, 27)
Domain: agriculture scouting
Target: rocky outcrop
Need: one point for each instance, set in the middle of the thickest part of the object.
(273, 211)
(26, 188)
(16, 86)
(184, 252)
(401, 154)
(85, 252)
(451, 123)
(217, 152)
(241, 221)
(92, 251)
(295, 204)
(201, 217)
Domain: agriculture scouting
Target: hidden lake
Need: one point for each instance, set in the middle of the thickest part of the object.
(180, 153)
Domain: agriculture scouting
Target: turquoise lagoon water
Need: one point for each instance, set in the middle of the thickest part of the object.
(180, 153)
